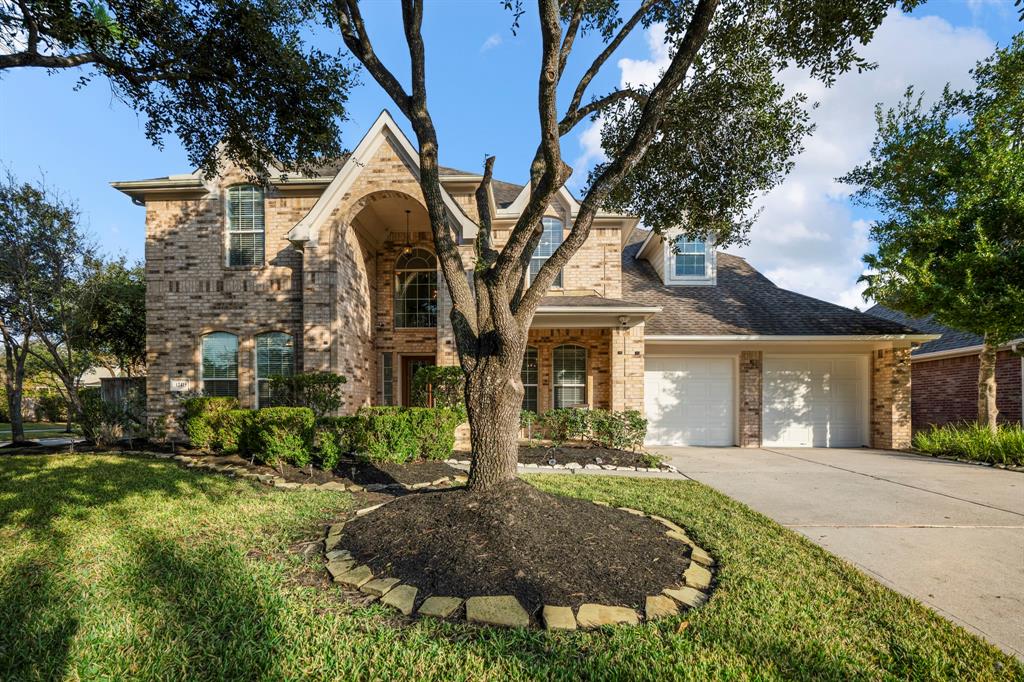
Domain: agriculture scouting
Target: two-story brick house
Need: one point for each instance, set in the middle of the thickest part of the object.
(337, 272)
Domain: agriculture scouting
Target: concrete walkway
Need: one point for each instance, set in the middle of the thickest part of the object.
(949, 534)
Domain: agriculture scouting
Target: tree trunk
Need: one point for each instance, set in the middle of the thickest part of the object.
(987, 410)
(494, 398)
(14, 382)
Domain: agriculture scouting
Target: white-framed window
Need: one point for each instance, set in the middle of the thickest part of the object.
(550, 240)
(275, 357)
(569, 370)
(246, 232)
(529, 376)
(416, 289)
(219, 367)
(689, 258)
(387, 370)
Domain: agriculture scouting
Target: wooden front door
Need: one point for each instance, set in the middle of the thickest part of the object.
(411, 363)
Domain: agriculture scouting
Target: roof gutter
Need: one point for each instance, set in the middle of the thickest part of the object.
(965, 350)
(727, 338)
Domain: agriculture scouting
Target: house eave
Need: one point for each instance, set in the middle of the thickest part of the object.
(762, 338)
(963, 350)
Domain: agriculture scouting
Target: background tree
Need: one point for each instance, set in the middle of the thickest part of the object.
(692, 150)
(231, 78)
(111, 315)
(948, 181)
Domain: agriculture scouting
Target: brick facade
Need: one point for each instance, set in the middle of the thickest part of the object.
(751, 373)
(890, 398)
(946, 390)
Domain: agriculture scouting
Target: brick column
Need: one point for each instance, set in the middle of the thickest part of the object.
(890, 399)
(750, 387)
(626, 350)
(317, 294)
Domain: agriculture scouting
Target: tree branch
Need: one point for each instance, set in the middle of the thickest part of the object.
(570, 36)
(353, 32)
(626, 160)
(571, 119)
(46, 61)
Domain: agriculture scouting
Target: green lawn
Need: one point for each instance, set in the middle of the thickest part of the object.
(114, 568)
(34, 430)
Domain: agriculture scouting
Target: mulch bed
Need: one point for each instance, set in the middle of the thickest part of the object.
(515, 539)
(582, 454)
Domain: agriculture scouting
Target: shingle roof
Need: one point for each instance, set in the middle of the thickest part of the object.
(951, 339)
(592, 301)
(743, 302)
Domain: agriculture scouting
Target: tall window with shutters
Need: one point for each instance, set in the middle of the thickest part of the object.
(275, 357)
(219, 369)
(246, 233)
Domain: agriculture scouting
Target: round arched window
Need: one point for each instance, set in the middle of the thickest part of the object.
(416, 289)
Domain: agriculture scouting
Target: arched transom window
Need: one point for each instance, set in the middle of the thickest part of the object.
(245, 225)
(219, 370)
(529, 379)
(275, 357)
(416, 289)
(569, 366)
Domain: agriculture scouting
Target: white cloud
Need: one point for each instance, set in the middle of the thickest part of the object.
(807, 238)
(492, 42)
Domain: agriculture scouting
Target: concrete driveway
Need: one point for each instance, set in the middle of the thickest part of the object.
(951, 535)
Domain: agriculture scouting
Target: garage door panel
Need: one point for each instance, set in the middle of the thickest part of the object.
(814, 401)
(689, 401)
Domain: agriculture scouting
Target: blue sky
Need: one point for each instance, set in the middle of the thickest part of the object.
(482, 84)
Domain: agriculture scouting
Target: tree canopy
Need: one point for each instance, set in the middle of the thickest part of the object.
(232, 79)
(948, 181)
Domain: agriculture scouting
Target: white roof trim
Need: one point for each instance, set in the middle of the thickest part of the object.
(591, 309)
(384, 128)
(963, 350)
(669, 338)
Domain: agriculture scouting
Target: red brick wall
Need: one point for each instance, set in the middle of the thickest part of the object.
(946, 390)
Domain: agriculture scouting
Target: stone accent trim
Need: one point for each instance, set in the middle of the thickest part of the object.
(890, 399)
(750, 385)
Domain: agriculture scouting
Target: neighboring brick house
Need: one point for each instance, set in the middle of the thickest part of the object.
(336, 272)
(945, 374)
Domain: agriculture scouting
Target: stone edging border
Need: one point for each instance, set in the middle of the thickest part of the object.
(505, 610)
(666, 468)
(281, 483)
(953, 458)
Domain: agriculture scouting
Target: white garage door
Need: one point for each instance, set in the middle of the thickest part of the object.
(689, 401)
(815, 401)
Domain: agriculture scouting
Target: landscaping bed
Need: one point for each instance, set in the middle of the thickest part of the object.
(586, 455)
(516, 540)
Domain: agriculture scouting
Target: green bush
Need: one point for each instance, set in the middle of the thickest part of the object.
(101, 423)
(621, 430)
(439, 387)
(276, 435)
(974, 442)
(333, 438)
(50, 406)
(319, 391)
(402, 434)
(197, 416)
(565, 424)
(226, 427)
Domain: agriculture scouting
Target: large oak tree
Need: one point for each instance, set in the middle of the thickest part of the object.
(948, 180)
(691, 150)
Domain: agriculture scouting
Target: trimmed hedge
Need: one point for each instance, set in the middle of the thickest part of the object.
(200, 418)
(620, 430)
(275, 435)
(388, 434)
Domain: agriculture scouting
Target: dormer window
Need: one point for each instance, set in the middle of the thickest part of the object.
(690, 258)
(550, 240)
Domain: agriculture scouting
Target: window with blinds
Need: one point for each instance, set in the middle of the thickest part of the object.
(529, 379)
(569, 366)
(245, 226)
(550, 240)
(220, 365)
(275, 357)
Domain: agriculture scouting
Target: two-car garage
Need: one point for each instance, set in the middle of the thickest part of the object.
(807, 400)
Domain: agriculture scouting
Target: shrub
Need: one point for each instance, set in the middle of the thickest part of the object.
(333, 438)
(50, 406)
(101, 422)
(439, 387)
(566, 423)
(401, 434)
(319, 391)
(974, 442)
(226, 427)
(198, 413)
(277, 435)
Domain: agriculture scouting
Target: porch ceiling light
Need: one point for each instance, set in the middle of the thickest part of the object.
(408, 235)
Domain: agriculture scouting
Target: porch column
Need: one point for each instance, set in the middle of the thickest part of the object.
(626, 350)
(890, 399)
(751, 407)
